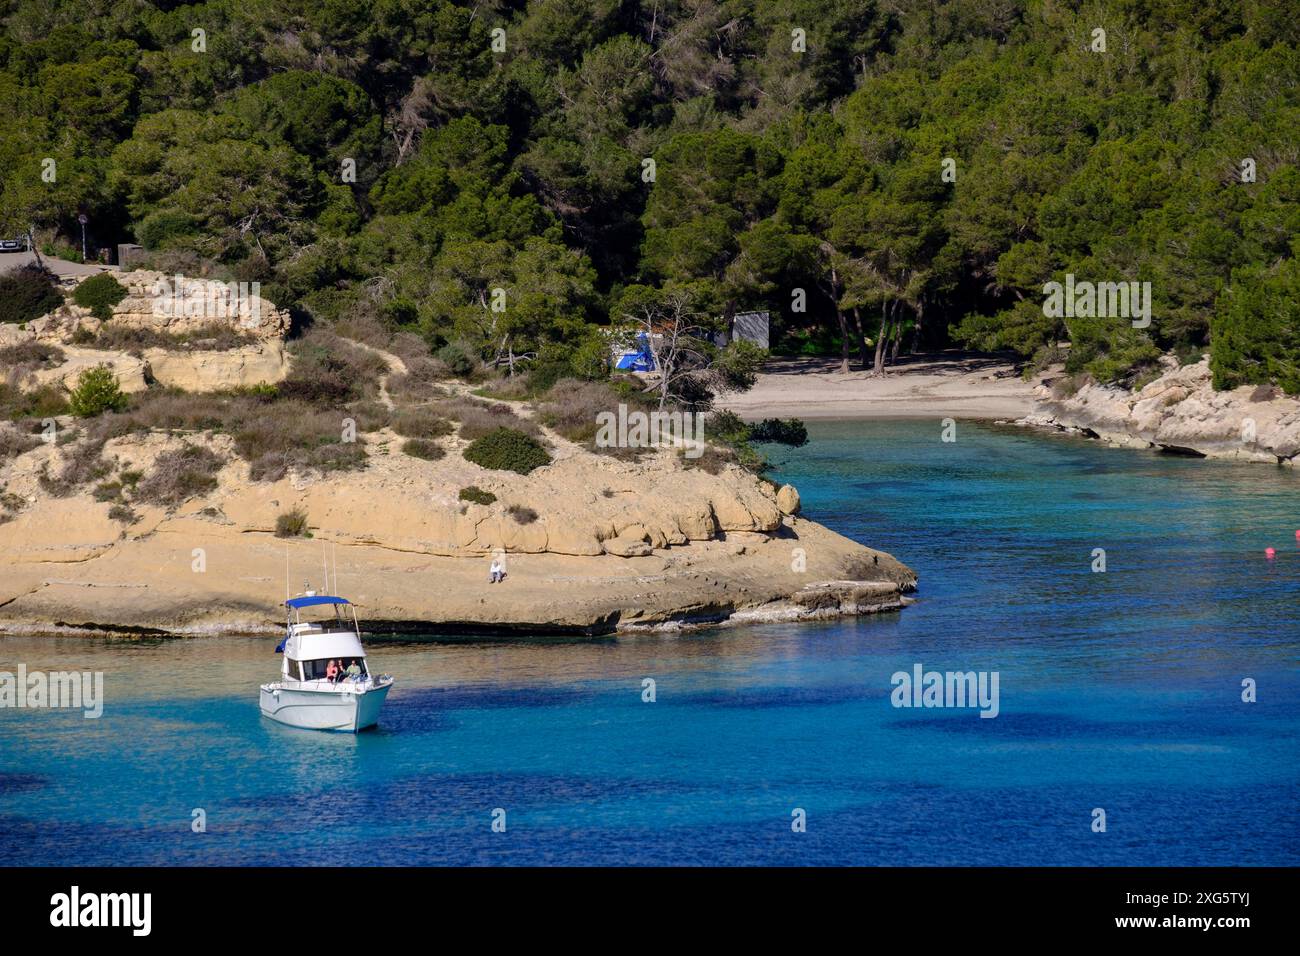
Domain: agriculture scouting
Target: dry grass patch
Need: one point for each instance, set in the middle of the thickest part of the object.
(211, 337)
(179, 475)
(423, 422)
(476, 419)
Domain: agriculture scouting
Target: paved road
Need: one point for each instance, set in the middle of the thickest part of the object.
(60, 267)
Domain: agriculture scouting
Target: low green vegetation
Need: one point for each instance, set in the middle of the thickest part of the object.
(97, 392)
(913, 179)
(789, 431)
(27, 294)
(507, 449)
(99, 294)
(477, 495)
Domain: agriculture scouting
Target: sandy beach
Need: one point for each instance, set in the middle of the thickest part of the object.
(953, 384)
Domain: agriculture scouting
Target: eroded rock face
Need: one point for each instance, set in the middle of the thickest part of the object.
(1179, 411)
(167, 305)
(205, 371)
(131, 371)
(613, 545)
(178, 305)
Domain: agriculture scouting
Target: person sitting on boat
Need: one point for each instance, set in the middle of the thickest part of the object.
(354, 669)
(332, 671)
(497, 572)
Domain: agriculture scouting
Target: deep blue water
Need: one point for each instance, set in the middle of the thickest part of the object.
(1118, 690)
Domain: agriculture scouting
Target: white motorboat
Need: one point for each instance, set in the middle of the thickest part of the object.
(325, 683)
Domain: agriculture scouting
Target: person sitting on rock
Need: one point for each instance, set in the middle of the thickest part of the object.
(497, 572)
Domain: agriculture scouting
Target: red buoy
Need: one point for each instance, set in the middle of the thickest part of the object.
(1268, 553)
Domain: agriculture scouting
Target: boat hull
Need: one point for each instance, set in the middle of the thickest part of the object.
(340, 710)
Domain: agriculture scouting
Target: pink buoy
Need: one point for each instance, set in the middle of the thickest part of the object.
(1268, 553)
(1297, 535)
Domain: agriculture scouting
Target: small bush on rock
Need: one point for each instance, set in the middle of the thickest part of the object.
(99, 294)
(423, 448)
(506, 449)
(477, 495)
(291, 524)
(97, 392)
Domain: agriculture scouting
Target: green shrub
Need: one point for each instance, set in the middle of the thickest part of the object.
(27, 293)
(1255, 333)
(123, 513)
(97, 391)
(507, 449)
(292, 524)
(99, 294)
(553, 362)
(790, 431)
(459, 359)
(165, 224)
(108, 491)
(477, 495)
(423, 448)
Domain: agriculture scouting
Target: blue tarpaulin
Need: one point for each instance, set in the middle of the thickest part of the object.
(641, 360)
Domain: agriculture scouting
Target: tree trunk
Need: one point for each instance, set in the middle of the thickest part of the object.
(839, 316)
(862, 338)
(844, 340)
(878, 368)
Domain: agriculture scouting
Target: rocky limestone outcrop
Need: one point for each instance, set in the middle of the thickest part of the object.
(169, 305)
(615, 544)
(1179, 411)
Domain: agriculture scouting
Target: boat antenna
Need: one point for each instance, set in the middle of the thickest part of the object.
(286, 572)
(325, 560)
(334, 550)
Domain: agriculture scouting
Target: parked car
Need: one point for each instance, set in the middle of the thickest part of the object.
(13, 245)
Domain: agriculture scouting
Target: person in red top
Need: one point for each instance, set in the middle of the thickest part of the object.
(332, 671)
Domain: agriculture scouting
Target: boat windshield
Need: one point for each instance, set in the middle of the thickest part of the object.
(334, 619)
(346, 668)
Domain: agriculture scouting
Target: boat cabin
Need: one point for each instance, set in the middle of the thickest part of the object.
(330, 632)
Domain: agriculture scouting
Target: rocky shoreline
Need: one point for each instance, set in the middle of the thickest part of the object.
(1178, 412)
(593, 543)
(713, 549)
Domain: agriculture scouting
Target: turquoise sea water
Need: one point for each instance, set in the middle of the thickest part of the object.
(1118, 690)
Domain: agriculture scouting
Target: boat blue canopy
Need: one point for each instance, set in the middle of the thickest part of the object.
(314, 600)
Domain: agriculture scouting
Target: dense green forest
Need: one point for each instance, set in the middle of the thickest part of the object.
(879, 174)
